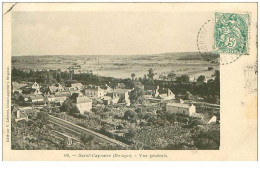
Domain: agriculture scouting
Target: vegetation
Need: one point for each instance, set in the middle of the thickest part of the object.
(137, 96)
(171, 75)
(141, 126)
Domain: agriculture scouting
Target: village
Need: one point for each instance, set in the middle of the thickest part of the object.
(119, 110)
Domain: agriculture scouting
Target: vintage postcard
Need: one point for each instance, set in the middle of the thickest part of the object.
(130, 81)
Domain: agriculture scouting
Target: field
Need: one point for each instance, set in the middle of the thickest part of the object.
(123, 66)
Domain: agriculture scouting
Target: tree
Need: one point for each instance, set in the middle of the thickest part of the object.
(130, 115)
(207, 138)
(145, 78)
(149, 116)
(150, 73)
(171, 75)
(210, 68)
(217, 75)
(136, 95)
(185, 78)
(133, 76)
(68, 107)
(201, 78)
(128, 83)
(47, 78)
(41, 119)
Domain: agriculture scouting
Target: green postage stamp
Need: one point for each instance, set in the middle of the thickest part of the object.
(231, 33)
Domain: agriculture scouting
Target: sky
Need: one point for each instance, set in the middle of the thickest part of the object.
(105, 33)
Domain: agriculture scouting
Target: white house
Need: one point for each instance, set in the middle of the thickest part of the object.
(181, 108)
(35, 86)
(55, 88)
(83, 104)
(94, 92)
(20, 115)
(51, 98)
(77, 86)
(17, 87)
(213, 119)
(36, 98)
(122, 94)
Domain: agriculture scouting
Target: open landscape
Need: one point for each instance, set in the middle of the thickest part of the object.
(110, 66)
(112, 83)
(165, 101)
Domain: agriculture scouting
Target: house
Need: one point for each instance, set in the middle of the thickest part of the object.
(73, 87)
(192, 79)
(18, 87)
(20, 115)
(120, 85)
(36, 86)
(83, 104)
(165, 94)
(36, 98)
(213, 119)
(181, 108)
(94, 92)
(51, 98)
(60, 97)
(151, 90)
(158, 94)
(31, 88)
(122, 94)
(55, 88)
(106, 88)
(77, 86)
(110, 99)
(73, 90)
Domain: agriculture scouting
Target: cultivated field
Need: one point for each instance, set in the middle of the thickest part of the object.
(123, 66)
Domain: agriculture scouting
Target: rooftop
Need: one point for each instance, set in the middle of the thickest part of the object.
(36, 97)
(181, 105)
(92, 87)
(18, 85)
(83, 99)
(121, 91)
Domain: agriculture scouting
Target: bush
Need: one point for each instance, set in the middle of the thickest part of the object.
(130, 134)
(210, 68)
(130, 115)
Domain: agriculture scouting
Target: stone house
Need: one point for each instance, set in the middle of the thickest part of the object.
(94, 92)
(181, 108)
(83, 104)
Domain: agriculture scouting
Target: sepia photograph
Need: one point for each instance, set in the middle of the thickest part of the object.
(126, 79)
(90, 81)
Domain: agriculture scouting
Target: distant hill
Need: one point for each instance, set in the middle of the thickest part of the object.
(210, 56)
